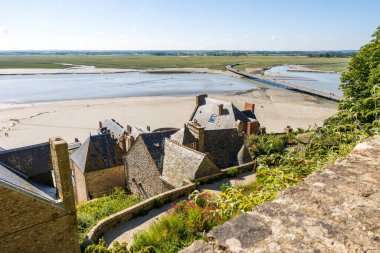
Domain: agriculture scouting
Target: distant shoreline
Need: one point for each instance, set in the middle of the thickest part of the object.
(94, 70)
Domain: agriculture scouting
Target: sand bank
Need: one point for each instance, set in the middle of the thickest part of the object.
(92, 70)
(35, 123)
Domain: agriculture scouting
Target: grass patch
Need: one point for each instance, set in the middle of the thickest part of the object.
(91, 212)
(159, 62)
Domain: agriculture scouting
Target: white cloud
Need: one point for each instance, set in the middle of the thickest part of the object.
(205, 39)
(4, 31)
(133, 29)
(328, 39)
(273, 38)
(246, 36)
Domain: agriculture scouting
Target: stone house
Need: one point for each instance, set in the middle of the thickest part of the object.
(155, 164)
(123, 136)
(97, 167)
(37, 211)
(217, 128)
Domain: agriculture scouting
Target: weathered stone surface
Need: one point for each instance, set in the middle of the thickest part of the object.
(199, 246)
(336, 209)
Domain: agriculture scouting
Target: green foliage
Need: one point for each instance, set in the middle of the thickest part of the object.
(159, 62)
(158, 202)
(91, 212)
(101, 247)
(185, 222)
(266, 144)
(225, 186)
(232, 172)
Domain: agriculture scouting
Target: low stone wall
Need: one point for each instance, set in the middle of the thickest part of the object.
(141, 208)
(223, 172)
(334, 210)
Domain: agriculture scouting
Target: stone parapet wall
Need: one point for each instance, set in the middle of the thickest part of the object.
(141, 208)
(336, 209)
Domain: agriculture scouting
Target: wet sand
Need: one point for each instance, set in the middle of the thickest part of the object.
(35, 123)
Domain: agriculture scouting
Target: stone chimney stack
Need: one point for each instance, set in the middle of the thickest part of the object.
(148, 128)
(129, 142)
(249, 107)
(199, 132)
(288, 129)
(253, 127)
(100, 125)
(199, 99)
(129, 129)
(62, 172)
(220, 109)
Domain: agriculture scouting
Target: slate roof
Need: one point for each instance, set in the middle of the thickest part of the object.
(33, 161)
(207, 114)
(183, 136)
(114, 127)
(98, 152)
(155, 143)
(16, 180)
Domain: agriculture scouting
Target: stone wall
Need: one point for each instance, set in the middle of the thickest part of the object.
(143, 177)
(30, 225)
(80, 187)
(336, 209)
(102, 182)
(223, 146)
(34, 224)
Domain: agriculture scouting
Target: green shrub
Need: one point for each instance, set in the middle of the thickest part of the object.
(232, 172)
(158, 202)
(88, 214)
(225, 186)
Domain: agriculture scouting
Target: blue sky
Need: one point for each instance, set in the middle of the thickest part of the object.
(187, 24)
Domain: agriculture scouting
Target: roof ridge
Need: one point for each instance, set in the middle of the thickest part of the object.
(179, 144)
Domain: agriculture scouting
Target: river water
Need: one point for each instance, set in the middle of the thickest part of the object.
(328, 82)
(20, 89)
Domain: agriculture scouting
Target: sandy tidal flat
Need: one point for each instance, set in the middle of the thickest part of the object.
(35, 123)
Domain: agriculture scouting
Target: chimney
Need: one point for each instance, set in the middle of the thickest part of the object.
(199, 99)
(288, 129)
(220, 109)
(129, 129)
(148, 128)
(253, 127)
(249, 107)
(100, 125)
(199, 133)
(129, 142)
(62, 173)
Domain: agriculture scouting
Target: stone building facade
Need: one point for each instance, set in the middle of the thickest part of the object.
(217, 128)
(155, 164)
(98, 167)
(37, 214)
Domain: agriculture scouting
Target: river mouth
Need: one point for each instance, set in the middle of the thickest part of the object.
(23, 89)
(323, 81)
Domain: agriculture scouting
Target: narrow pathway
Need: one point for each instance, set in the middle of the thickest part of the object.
(126, 231)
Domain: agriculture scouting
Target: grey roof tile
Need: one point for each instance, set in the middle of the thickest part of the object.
(98, 152)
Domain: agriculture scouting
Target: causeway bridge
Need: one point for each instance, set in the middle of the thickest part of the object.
(284, 85)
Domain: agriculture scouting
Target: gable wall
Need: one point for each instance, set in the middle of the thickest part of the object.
(80, 188)
(223, 146)
(143, 177)
(103, 182)
(31, 225)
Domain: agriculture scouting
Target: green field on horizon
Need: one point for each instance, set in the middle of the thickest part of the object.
(157, 62)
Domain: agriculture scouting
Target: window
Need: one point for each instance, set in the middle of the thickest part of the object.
(212, 118)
